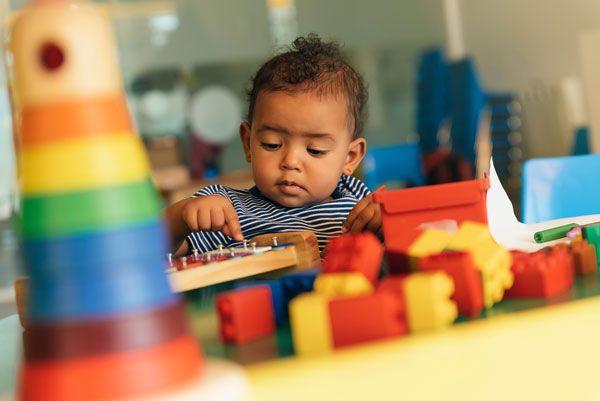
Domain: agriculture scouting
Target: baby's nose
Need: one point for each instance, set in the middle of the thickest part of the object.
(290, 160)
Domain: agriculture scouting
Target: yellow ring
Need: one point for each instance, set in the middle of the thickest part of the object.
(83, 163)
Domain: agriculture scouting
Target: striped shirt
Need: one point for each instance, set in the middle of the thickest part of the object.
(259, 215)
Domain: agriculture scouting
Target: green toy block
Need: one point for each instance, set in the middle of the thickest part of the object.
(592, 234)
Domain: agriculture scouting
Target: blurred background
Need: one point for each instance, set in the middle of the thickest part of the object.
(471, 78)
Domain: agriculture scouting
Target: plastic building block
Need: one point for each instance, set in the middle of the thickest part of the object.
(584, 257)
(429, 242)
(491, 259)
(360, 252)
(540, 275)
(277, 296)
(592, 235)
(404, 210)
(298, 282)
(310, 323)
(394, 284)
(366, 318)
(427, 300)
(348, 283)
(245, 314)
(468, 292)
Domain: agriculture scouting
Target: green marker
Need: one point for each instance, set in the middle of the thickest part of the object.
(553, 233)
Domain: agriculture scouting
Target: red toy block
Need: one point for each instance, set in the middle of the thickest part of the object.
(468, 290)
(360, 252)
(540, 275)
(366, 318)
(245, 314)
(404, 210)
(393, 284)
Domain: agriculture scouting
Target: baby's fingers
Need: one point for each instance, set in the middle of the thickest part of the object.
(232, 224)
(354, 214)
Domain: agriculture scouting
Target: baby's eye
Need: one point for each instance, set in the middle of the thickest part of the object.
(270, 146)
(316, 152)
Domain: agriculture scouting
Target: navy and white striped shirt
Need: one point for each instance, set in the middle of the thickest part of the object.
(259, 215)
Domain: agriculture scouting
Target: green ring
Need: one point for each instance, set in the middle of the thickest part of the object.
(53, 215)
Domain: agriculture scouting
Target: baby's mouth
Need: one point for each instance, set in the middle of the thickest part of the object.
(289, 187)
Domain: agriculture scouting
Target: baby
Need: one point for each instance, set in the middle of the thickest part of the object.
(302, 139)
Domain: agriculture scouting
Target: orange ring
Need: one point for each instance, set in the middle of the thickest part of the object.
(112, 375)
(77, 118)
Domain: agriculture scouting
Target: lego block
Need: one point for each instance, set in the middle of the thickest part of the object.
(310, 324)
(540, 275)
(245, 314)
(348, 283)
(394, 284)
(427, 300)
(428, 243)
(277, 296)
(366, 318)
(468, 291)
(592, 235)
(404, 210)
(361, 252)
(101, 160)
(298, 282)
(491, 259)
(584, 257)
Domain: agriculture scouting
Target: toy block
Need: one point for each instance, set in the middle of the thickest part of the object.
(404, 210)
(393, 284)
(584, 257)
(427, 300)
(430, 242)
(348, 283)
(491, 259)
(298, 282)
(366, 318)
(277, 295)
(540, 275)
(310, 324)
(360, 252)
(468, 291)
(592, 235)
(245, 314)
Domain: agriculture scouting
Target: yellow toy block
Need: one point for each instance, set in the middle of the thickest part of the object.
(428, 303)
(491, 259)
(83, 163)
(431, 242)
(344, 283)
(310, 323)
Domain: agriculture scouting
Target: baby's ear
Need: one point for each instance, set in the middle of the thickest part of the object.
(245, 137)
(356, 152)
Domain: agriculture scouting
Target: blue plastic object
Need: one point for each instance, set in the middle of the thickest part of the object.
(385, 164)
(559, 187)
(279, 304)
(100, 250)
(98, 295)
(298, 282)
(581, 143)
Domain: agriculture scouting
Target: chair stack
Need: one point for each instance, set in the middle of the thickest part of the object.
(102, 321)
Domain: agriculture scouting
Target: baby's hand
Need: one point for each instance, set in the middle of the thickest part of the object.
(212, 213)
(364, 216)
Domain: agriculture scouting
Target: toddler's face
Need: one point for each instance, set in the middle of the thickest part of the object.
(299, 146)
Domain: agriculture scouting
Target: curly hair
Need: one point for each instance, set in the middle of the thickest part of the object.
(312, 65)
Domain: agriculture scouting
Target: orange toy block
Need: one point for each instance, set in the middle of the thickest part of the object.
(366, 318)
(468, 291)
(404, 210)
(584, 256)
(540, 275)
(245, 314)
(360, 252)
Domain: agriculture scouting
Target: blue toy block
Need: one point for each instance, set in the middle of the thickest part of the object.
(277, 295)
(102, 250)
(128, 288)
(298, 282)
